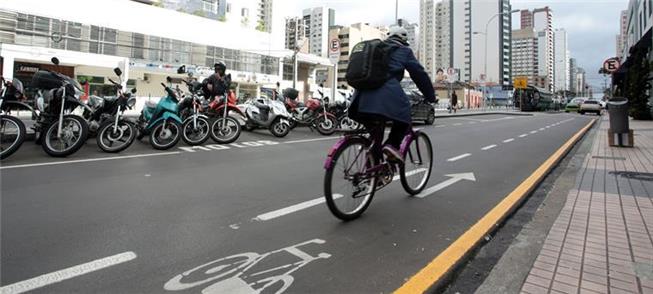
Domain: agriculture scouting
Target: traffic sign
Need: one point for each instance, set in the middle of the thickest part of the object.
(334, 50)
(611, 65)
(520, 82)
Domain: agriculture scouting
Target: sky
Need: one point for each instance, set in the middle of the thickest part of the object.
(592, 25)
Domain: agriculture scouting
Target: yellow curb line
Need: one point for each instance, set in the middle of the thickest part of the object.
(439, 267)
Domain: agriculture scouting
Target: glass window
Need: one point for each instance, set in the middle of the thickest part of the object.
(25, 22)
(110, 35)
(244, 12)
(95, 33)
(138, 43)
(42, 24)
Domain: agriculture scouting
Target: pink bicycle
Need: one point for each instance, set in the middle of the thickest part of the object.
(353, 174)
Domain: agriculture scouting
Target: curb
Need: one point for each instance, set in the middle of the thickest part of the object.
(437, 272)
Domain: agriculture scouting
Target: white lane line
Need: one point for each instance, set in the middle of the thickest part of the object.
(523, 135)
(508, 140)
(457, 124)
(68, 273)
(440, 126)
(486, 148)
(311, 140)
(548, 127)
(90, 160)
(542, 129)
(317, 201)
(459, 157)
(533, 132)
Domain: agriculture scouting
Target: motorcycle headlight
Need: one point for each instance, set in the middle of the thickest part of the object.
(131, 102)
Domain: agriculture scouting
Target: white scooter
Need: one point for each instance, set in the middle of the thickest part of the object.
(268, 114)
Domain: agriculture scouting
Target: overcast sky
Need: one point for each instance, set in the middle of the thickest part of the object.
(591, 24)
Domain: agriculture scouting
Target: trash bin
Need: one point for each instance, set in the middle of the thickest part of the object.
(618, 110)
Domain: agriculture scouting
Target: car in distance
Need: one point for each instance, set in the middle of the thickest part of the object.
(590, 106)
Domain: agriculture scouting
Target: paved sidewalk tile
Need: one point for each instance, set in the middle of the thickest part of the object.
(602, 241)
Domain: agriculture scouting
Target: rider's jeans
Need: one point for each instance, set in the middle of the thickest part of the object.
(375, 124)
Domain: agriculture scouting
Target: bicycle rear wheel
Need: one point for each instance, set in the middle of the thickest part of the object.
(418, 162)
(347, 188)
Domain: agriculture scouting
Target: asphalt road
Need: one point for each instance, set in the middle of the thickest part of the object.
(181, 221)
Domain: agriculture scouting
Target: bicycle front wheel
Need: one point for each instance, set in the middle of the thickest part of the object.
(418, 162)
(348, 188)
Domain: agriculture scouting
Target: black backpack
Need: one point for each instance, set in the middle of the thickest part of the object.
(368, 65)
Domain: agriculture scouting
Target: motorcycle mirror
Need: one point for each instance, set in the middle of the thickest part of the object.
(55, 60)
(133, 91)
(169, 79)
(181, 69)
(117, 71)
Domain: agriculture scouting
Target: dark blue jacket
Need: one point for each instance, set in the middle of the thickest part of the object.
(390, 100)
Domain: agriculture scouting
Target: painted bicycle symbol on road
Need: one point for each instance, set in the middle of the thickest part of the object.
(247, 272)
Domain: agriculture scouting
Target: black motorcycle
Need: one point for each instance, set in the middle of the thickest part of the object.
(60, 132)
(105, 115)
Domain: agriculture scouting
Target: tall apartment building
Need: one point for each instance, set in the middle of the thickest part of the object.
(540, 21)
(265, 16)
(349, 36)
(581, 83)
(443, 35)
(295, 33)
(623, 31)
(412, 32)
(426, 48)
(561, 60)
(524, 54)
(573, 70)
(317, 22)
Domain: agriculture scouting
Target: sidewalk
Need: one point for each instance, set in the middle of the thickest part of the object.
(602, 240)
(440, 113)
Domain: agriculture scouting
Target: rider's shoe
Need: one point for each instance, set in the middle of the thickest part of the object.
(393, 154)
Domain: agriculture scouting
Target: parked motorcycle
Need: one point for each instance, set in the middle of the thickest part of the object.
(268, 114)
(114, 133)
(60, 132)
(196, 127)
(341, 110)
(224, 129)
(12, 129)
(160, 121)
(313, 114)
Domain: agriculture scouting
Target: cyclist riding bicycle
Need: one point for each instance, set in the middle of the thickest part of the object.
(374, 107)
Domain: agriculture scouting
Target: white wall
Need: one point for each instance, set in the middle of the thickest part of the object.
(561, 61)
(482, 11)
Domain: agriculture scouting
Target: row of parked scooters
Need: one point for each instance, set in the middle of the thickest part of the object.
(63, 122)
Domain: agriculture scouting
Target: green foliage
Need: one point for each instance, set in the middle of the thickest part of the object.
(638, 85)
(222, 18)
(260, 26)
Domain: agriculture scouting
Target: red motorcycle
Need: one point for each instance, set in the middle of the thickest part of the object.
(313, 114)
(224, 128)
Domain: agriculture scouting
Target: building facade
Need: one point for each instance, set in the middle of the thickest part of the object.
(443, 36)
(427, 44)
(573, 70)
(561, 61)
(623, 32)
(295, 33)
(412, 33)
(542, 23)
(89, 45)
(524, 54)
(317, 22)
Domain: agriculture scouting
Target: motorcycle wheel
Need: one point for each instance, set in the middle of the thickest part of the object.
(227, 134)
(279, 129)
(113, 140)
(348, 124)
(12, 135)
(74, 133)
(326, 126)
(293, 124)
(196, 136)
(165, 138)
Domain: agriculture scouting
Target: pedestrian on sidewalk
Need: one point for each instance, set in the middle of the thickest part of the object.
(454, 102)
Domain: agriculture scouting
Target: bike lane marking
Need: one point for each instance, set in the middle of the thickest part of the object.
(67, 273)
(459, 157)
(317, 201)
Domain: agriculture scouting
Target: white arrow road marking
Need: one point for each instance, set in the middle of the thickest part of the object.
(454, 178)
(317, 201)
(459, 157)
(486, 148)
(68, 273)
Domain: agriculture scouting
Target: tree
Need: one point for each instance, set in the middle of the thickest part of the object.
(260, 26)
(638, 84)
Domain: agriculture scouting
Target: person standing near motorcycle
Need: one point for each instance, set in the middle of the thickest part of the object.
(389, 102)
(217, 84)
